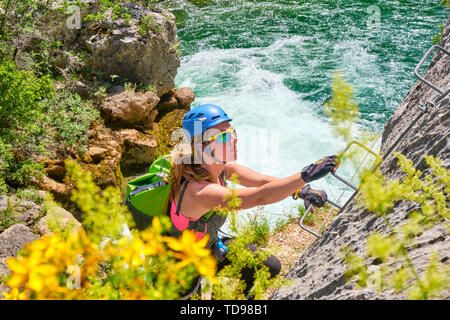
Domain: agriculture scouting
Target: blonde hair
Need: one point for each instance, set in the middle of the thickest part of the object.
(185, 168)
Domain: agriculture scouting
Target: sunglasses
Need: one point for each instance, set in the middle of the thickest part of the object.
(224, 136)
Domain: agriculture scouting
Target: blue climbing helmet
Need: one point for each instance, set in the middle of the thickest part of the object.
(203, 117)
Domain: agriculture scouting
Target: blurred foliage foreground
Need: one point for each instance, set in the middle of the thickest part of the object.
(101, 261)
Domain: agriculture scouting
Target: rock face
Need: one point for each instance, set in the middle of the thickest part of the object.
(57, 219)
(185, 97)
(130, 109)
(15, 210)
(139, 44)
(142, 50)
(12, 241)
(138, 150)
(319, 273)
(130, 42)
(175, 99)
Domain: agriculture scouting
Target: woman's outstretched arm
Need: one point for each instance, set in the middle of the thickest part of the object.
(209, 195)
(246, 176)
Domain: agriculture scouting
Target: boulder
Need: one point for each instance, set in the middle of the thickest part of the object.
(168, 101)
(95, 154)
(130, 110)
(178, 98)
(102, 158)
(3, 202)
(15, 210)
(185, 97)
(27, 211)
(175, 99)
(12, 240)
(140, 48)
(55, 169)
(138, 150)
(60, 190)
(57, 219)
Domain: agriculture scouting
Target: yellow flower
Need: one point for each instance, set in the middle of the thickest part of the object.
(16, 266)
(134, 253)
(153, 243)
(38, 267)
(156, 225)
(189, 245)
(20, 269)
(42, 275)
(191, 251)
(14, 294)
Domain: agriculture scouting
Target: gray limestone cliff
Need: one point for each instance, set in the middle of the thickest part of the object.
(319, 272)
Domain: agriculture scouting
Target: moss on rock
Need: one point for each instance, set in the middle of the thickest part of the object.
(164, 130)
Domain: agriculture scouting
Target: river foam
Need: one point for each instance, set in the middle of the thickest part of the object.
(269, 65)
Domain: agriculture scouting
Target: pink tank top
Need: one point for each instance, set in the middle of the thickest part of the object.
(181, 222)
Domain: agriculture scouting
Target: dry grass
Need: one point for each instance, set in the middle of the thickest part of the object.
(289, 243)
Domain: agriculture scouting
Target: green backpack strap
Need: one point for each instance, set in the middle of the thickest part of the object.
(161, 166)
(146, 187)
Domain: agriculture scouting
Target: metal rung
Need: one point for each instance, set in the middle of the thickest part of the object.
(377, 156)
(306, 213)
(345, 181)
(373, 168)
(416, 70)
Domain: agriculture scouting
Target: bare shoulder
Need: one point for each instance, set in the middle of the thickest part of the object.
(230, 168)
(201, 197)
(197, 188)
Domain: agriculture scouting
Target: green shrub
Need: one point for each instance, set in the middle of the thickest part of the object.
(22, 101)
(8, 215)
(398, 272)
(5, 160)
(258, 226)
(33, 117)
(69, 117)
(30, 194)
(118, 11)
(149, 23)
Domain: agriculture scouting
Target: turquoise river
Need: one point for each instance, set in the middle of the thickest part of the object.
(269, 65)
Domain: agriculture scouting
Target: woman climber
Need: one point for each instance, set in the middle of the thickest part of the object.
(199, 183)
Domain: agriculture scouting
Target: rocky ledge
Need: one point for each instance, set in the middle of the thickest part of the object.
(139, 46)
(138, 113)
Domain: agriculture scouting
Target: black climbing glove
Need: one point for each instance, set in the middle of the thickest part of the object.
(311, 196)
(319, 169)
